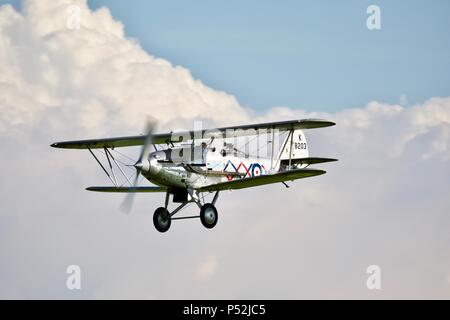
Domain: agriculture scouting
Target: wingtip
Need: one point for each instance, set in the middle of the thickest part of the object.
(328, 122)
(318, 122)
(57, 145)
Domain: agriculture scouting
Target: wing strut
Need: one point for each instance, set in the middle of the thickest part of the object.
(117, 165)
(111, 175)
(110, 166)
(101, 165)
(272, 148)
(291, 133)
(281, 150)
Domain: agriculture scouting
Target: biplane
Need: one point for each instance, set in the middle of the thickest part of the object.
(189, 164)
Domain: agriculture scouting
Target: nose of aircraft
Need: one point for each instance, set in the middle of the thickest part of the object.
(150, 165)
(142, 165)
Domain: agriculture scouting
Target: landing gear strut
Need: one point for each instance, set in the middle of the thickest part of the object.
(162, 218)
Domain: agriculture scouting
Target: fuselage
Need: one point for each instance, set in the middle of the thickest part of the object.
(210, 167)
(190, 166)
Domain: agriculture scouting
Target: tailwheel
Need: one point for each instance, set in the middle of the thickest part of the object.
(161, 219)
(208, 215)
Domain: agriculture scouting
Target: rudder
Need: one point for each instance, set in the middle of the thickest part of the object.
(299, 146)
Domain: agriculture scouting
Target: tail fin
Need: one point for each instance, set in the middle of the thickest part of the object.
(299, 146)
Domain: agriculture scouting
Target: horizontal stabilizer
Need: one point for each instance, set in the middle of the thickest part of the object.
(308, 161)
(127, 189)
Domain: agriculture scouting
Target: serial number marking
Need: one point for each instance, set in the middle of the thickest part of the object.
(300, 145)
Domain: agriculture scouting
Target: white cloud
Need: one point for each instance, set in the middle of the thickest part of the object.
(80, 75)
(207, 268)
(385, 202)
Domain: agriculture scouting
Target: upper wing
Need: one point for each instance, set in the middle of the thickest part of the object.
(175, 137)
(112, 142)
(265, 179)
(127, 189)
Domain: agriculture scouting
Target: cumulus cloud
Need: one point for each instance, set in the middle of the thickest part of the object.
(385, 202)
(92, 78)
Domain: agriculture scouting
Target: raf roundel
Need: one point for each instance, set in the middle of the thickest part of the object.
(257, 170)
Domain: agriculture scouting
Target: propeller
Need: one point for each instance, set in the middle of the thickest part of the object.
(142, 164)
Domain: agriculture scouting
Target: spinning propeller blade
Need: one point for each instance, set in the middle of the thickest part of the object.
(141, 164)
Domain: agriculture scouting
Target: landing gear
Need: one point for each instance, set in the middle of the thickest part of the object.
(208, 215)
(161, 219)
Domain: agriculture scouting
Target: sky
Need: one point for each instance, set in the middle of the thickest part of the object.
(384, 203)
(314, 55)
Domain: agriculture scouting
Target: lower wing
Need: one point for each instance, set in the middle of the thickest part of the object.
(127, 189)
(262, 180)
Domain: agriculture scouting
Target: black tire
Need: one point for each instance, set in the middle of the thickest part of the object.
(208, 215)
(161, 219)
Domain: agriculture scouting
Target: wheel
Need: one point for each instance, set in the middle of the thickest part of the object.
(161, 219)
(208, 215)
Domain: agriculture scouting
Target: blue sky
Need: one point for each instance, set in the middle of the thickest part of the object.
(315, 55)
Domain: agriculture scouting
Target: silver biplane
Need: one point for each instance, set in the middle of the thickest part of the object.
(190, 164)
